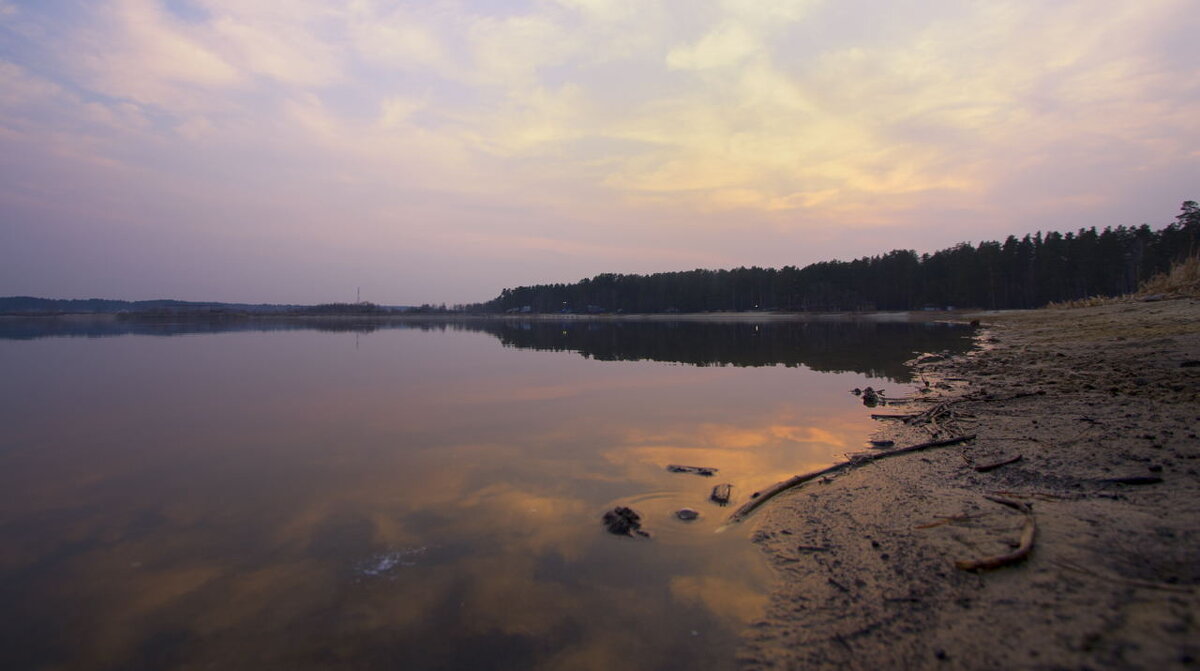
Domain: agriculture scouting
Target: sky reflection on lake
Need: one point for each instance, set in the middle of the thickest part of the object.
(403, 498)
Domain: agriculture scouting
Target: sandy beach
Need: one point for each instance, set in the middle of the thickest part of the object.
(1102, 407)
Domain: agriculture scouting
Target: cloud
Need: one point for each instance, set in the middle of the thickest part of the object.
(398, 39)
(769, 13)
(606, 11)
(293, 57)
(522, 245)
(909, 116)
(18, 88)
(726, 46)
(136, 51)
(597, 126)
(43, 120)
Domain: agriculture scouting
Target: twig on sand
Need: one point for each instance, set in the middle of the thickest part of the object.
(1028, 533)
(984, 468)
(945, 519)
(1020, 506)
(1124, 581)
(838, 585)
(759, 498)
(1134, 480)
(1044, 496)
(1001, 399)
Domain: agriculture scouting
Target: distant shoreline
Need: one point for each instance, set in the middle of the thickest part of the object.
(954, 316)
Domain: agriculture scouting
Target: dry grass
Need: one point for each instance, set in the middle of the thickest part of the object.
(1183, 279)
(1090, 302)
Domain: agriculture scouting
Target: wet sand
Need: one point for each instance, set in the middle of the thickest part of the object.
(1102, 404)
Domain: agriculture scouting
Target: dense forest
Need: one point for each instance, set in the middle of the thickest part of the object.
(1016, 273)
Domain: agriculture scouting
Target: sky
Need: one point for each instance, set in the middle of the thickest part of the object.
(295, 151)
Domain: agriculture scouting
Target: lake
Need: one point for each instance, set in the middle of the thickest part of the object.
(349, 494)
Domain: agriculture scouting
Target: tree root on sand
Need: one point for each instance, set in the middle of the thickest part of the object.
(1028, 533)
(759, 498)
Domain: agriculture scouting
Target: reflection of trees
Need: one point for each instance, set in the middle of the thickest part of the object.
(876, 349)
(873, 348)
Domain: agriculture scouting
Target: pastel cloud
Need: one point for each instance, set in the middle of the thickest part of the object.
(579, 121)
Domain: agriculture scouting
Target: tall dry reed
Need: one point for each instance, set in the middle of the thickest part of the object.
(1183, 279)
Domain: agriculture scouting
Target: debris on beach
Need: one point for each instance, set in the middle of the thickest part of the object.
(624, 521)
(871, 397)
(687, 514)
(721, 493)
(697, 470)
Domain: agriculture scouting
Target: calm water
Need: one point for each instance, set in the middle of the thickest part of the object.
(356, 495)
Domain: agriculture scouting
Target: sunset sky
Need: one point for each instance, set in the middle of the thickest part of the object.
(294, 150)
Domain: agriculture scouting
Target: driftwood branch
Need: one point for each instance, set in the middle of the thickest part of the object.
(759, 498)
(1024, 547)
(706, 471)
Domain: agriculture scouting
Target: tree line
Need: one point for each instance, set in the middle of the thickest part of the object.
(1017, 273)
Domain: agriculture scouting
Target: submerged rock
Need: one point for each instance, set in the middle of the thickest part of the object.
(687, 514)
(623, 521)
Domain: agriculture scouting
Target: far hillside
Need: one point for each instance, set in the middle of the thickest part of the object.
(165, 308)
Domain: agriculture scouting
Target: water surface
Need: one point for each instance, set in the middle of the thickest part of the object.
(416, 495)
